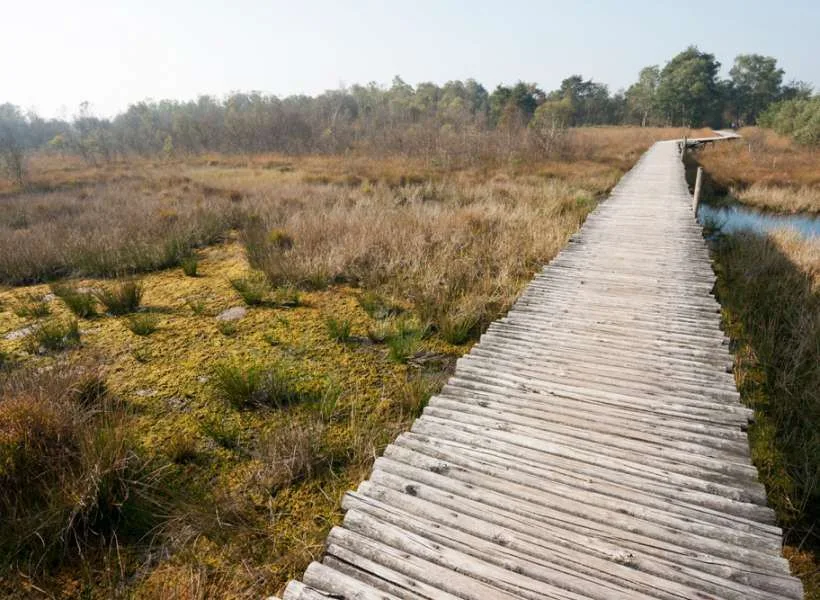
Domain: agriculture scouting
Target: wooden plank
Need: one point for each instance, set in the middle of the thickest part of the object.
(590, 445)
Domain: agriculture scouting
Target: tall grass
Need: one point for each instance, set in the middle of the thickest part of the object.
(765, 170)
(457, 252)
(108, 229)
(71, 481)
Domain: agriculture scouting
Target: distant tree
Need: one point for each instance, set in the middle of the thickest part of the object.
(641, 96)
(688, 92)
(13, 142)
(549, 124)
(756, 81)
(518, 102)
(590, 101)
(796, 90)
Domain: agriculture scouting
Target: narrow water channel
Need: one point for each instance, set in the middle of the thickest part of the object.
(736, 218)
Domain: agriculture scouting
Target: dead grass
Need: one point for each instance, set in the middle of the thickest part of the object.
(766, 170)
(432, 252)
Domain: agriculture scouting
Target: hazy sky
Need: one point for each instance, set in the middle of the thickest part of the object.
(56, 53)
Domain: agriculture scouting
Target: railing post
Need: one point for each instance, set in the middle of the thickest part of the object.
(696, 196)
(683, 149)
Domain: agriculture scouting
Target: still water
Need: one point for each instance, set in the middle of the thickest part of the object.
(736, 218)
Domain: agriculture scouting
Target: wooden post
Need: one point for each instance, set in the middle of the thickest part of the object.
(696, 196)
(683, 148)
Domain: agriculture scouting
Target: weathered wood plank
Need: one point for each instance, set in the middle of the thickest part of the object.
(591, 445)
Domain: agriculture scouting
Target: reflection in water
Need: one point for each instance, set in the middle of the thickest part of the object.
(736, 217)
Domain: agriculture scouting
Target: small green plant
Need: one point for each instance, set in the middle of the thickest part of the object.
(458, 329)
(271, 339)
(338, 329)
(403, 342)
(379, 332)
(252, 289)
(376, 306)
(197, 305)
(33, 307)
(142, 323)
(254, 385)
(227, 328)
(55, 335)
(287, 296)
(182, 448)
(225, 431)
(189, 265)
(121, 298)
(81, 303)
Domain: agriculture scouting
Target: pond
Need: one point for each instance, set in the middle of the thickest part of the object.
(735, 218)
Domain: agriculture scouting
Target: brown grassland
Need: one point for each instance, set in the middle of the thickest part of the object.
(769, 288)
(150, 447)
(765, 170)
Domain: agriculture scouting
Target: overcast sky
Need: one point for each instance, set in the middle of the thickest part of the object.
(55, 54)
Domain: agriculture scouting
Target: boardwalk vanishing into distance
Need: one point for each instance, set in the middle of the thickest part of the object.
(592, 445)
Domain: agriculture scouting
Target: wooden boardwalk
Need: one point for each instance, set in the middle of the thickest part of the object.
(590, 446)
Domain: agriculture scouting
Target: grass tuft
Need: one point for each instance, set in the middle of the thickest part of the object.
(32, 307)
(81, 303)
(121, 298)
(245, 386)
(189, 265)
(55, 335)
(252, 290)
(339, 329)
(142, 323)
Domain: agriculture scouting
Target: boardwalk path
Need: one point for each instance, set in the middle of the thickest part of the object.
(590, 446)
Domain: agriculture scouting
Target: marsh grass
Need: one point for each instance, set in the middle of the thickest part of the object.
(32, 307)
(339, 330)
(196, 304)
(293, 452)
(142, 323)
(134, 225)
(93, 490)
(79, 302)
(402, 343)
(224, 430)
(54, 335)
(227, 328)
(190, 265)
(253, 289)
(120, 298)
(245, 386)
(770, 292)
(765, 170)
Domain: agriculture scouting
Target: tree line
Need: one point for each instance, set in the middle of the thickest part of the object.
(432, 120)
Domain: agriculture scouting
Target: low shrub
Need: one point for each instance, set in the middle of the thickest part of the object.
(121, 298)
